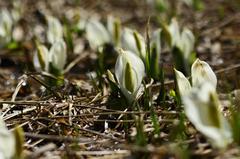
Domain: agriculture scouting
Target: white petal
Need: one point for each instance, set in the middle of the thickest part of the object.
(97, 34)
(201, 72)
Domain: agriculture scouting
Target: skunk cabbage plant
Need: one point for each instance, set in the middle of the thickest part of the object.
(114, 29)
(55, 59)
(153, 68)
(201, 72)
(202, 108)
(134, 42)
(41, 58)
(98, 35)
(181, 44)
(58, 55)
(186, 43)
(129, 72)
(202, 105)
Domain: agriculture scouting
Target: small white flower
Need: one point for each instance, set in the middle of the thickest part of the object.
(202, 107)
(129, 71)
(202, 72)
(58, 55)
(97, 34)
(55, 30)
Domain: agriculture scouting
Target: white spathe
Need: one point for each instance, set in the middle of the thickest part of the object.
(97, 35)
(202, 108)
(186, 43)
(183, 40)
(7, 142)
(174, 31)
(58, 54)
(6, 24)
(41, 59)
(114, 29)
(201, 72)
(55, 30)
(128, 42)
(129, 72)
(183, 84)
